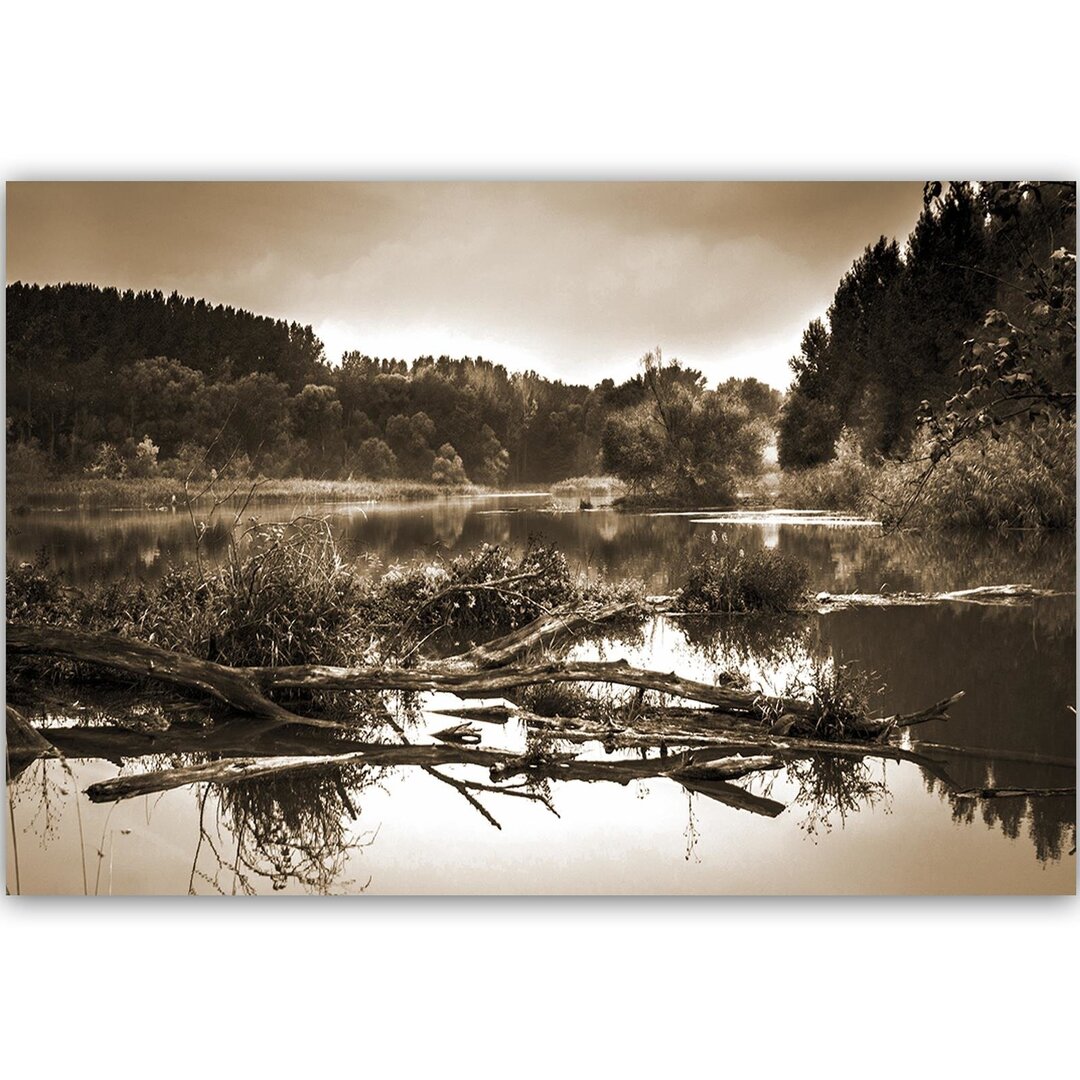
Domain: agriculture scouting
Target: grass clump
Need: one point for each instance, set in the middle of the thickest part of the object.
(1025, 479)
(483, 593)
(842, 695)
(36, 594)
(290, 598)
(557, 699)
(284, 597)
(843, 484)
(728, 580)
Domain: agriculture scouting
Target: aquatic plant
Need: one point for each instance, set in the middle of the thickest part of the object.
(728, 579)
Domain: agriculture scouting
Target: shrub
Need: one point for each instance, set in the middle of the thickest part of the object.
(557, 699)
(375, 460)
(27, 461)
(1023, 479)
(724, 579)
(108, 463)
(841, 484)
(35, 593)
(142, 461)
(448, 469)
(487, 589)
(290, 599)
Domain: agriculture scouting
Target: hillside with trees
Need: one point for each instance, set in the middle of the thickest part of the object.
(122, 384)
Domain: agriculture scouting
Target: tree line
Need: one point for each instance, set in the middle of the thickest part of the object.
(117, 384)
(975, 313)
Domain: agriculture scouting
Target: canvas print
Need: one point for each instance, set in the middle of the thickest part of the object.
(517, 538)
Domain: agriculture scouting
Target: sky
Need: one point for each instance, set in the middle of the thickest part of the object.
(574, 280)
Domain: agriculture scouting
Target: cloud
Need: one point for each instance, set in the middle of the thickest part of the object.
(575, 280)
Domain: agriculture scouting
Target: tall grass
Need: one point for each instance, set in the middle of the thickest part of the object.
(1024, 480)
(845, 483)
(132, 492)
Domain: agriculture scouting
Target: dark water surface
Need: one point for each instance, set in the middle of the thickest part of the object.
(847, 826)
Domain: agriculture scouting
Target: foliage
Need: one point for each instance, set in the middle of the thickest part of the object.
(682, 442)
(557, 699)
(28, 461)
(900, 318)
(447, 470)
(489, 589)
(375, 460)
(844, 483)
(36, 594)
(1023, 366)
(724, 579)
(987, 278)
(1023, 479)
(842, 696)
(88, 367)
(807, 432)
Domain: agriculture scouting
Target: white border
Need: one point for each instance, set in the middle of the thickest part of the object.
(322, 91)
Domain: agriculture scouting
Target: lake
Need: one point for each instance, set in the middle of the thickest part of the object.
(846, 826)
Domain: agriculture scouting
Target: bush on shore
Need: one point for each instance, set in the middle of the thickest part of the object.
(1026, 479)
(845, 483)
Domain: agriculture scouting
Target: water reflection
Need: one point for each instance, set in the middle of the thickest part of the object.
(324, 831)
(288, 829)
(93, 544)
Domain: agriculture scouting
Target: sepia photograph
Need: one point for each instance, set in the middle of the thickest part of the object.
(511, 537)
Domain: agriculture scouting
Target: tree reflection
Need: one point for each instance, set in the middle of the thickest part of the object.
(1050, 821)
(289, 829)
(831, 788)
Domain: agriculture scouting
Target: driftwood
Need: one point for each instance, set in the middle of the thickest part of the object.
(230, 685)
(247, 689)
(986, 595)
(700, 766)
(727, 740)
(555, 628)
(1014, 793)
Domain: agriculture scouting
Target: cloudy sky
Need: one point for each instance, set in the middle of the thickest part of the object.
(575, 280)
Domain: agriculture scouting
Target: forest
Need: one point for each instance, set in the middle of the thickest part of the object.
(902, 318)
(950, 356)
(123, 384)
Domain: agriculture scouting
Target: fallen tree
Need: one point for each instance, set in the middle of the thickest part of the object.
(247, 689)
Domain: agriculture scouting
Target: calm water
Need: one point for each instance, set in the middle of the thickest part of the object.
(850, 827)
